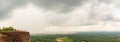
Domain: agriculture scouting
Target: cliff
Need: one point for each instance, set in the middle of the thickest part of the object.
(15, 36)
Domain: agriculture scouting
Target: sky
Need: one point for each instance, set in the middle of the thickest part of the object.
(60, 16)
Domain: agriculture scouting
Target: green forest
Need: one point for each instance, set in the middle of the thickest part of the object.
(78, 37)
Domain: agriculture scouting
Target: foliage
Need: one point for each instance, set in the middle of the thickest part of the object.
(66, 39)
(89, 36)
(7, 29)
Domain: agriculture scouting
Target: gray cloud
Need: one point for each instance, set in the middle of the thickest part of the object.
(103, 10)
(59, 5)
(6, 6)
(93, 13)
(64, 13)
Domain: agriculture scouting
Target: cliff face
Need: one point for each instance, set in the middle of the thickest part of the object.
(15, 36)
(4, 38)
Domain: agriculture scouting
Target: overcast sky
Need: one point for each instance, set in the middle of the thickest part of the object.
(60, 16)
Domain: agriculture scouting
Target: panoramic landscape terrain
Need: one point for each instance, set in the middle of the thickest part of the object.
(98, 36)
(60, 20)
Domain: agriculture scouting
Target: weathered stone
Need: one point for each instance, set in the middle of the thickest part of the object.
(15, 36)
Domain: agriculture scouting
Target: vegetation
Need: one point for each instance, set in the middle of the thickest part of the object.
(78, 37)
(7, 29)
(64, 39)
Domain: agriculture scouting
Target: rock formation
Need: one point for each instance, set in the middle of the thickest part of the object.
(15, 36)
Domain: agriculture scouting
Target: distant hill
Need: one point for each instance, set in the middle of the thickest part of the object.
(95, 36)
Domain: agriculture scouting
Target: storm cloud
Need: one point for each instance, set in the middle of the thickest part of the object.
(6, 7)
(45, 13)
(59, 5)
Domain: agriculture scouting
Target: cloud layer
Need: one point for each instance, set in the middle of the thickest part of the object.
(60, 13)
(6, 6)
(59, 5)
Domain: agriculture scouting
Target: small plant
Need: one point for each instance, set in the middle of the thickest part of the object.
(7, 29)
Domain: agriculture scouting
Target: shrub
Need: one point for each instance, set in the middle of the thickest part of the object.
(7, 29)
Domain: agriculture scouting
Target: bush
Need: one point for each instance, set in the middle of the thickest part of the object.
(7, 29)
